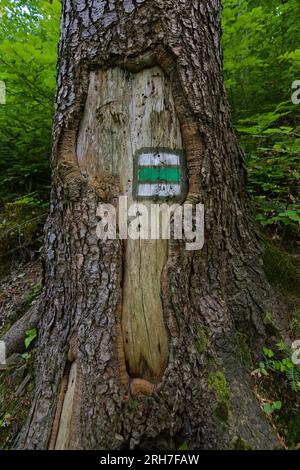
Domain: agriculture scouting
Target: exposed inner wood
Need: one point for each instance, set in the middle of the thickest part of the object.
(63, 436)
(124, 113)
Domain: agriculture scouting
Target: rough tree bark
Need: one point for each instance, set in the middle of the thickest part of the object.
(92, 391)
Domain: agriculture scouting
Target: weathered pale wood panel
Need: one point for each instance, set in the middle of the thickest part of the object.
(124, 113)
(63, 436)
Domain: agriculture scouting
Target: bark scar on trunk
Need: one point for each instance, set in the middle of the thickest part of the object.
(59, 407)
(135, 386)
(72, 353)
(107, 186)
(194, 146)
(71, 358)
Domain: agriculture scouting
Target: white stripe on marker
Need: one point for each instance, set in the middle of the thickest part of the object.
(161, 190)
(156, 159)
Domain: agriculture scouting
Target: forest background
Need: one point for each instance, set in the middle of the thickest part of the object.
(261, 45)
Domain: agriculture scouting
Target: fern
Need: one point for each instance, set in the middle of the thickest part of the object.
(293, 376)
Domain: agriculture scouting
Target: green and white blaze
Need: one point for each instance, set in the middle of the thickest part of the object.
(159, 173)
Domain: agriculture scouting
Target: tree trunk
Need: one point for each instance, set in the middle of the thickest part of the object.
(138, 340)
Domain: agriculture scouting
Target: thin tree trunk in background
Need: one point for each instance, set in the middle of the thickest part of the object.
(149, 358)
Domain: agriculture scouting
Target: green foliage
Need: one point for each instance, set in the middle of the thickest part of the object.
(295, 324)
(281, 365)
(261, 60)
(269, 408)
(28, 50)
(26, 356)
(184, 446)
(36, 291)
(261, 45)
(30, 337)
(277, 387)
(273, 169)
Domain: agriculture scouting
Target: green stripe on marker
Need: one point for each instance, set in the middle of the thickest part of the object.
(155, 174)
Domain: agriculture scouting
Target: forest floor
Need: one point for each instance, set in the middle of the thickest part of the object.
(20, 287)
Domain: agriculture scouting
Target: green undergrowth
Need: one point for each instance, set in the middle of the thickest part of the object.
(278, 387)
(277, 378)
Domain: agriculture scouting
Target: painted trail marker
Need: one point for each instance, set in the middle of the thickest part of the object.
(159, 174)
